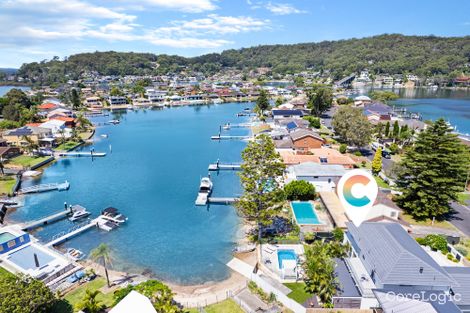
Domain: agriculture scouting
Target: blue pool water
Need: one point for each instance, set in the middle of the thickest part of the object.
(152, 176)
(24, 257)
(284, 255)
(6, 236)
(305, 213)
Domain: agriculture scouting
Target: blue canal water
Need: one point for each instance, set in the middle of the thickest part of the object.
(5, 89)
(152, 176)
(452, 105)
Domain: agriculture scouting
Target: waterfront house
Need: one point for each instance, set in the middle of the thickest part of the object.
(385, 260)
(56, 126)
(38, 135)
(69, 122)
(93, 101)
(22, 253)
(117, 100)
(47, 107)
(9, 152)
(60, 112)
(304, 139)
(323, 177)
(293, 113)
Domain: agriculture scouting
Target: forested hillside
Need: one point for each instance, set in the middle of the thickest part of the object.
(393, 54)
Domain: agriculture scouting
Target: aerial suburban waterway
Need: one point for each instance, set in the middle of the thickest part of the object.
(152, 176)
(453, 105)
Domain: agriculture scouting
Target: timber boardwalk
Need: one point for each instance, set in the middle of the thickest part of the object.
(224, 166)
(44, 187)
(221, 137)
(46, 220)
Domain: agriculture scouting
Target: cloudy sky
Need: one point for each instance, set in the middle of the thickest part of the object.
(33, 30)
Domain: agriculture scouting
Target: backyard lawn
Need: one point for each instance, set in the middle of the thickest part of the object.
(463, 197)
(67, 146)
(227, 306)
(4, 272)
(75, 296)
(27, 161)
(298, 293)
(6, 185)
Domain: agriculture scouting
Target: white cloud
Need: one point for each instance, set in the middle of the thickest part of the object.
(283, 9)
(190, 6)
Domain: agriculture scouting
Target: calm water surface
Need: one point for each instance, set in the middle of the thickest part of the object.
(5, 89)
(152, 176)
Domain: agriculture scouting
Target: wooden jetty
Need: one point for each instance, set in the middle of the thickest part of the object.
(62, 237)
(45, 187)
(237, 125)
(225, 200)
(220, 137)
(83, 154)
(46, 220)
(224, 166)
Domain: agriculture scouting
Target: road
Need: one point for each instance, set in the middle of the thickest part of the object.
(461, 218)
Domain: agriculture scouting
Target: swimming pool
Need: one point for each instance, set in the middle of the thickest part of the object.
(305, 213)
(24, 258)
(285, 255)
(5, 237)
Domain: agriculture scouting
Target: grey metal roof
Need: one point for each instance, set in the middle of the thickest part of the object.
(300, 133)
(347, 286)
(410, 300)
(316, 169)
(395, 257)
(461, 275)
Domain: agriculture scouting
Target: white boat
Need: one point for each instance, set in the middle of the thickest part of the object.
(114, 122)
(79, 212)
(205, 189)
(75, 254)
(205, 186)
(227, 126)
(104, 135)
(112, 215)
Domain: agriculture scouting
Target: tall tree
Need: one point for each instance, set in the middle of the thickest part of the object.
(262, 103)
(377, 161)
(352, 126)
(75, 98)
(396, 130)
(320, 99)
(433, 172)
(102, 254)
(320, 272)
(23, 294)
(261, 176)
(387, 129)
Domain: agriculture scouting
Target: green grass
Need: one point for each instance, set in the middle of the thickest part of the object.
(67, 146)
(381, 182)
(464, 197)
(75, 296)
(4, 273)
(6, 185)
(227, 306)
(427, 222)
(298, 293)
(27, 161)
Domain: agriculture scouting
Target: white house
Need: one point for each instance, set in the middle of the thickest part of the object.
(134, 302)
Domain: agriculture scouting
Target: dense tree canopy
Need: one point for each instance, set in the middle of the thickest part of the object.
(24, 295)
(433, 172)
(394, 54)
(352, 126)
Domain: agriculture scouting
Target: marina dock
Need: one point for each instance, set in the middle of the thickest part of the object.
(46, 220)
(83, 154)
(227, 166)
(224, 200)
(238, 125)
(44, 188)
(62, 237)
(220, 137)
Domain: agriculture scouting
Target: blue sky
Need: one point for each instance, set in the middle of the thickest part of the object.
(33, 30)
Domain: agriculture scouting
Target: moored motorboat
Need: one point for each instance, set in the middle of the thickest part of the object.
(78, 212)
(75, 254)
(205, 189)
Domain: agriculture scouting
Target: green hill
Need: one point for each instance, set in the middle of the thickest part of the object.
(393, 54)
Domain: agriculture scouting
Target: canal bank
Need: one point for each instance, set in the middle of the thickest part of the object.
(152, 176)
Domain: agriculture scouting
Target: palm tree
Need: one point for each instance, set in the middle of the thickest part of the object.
(83, 122)
(30, 144)
(89, 302)
(2, 168)
(102, 254)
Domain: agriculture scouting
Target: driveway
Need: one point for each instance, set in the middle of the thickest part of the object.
(369, 153)
(461, 218)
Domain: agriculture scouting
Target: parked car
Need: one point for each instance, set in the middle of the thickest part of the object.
(386, 154)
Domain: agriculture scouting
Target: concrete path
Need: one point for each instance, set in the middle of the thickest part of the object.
(249, 302)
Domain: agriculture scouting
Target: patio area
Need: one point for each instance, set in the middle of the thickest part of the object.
(282, 262)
